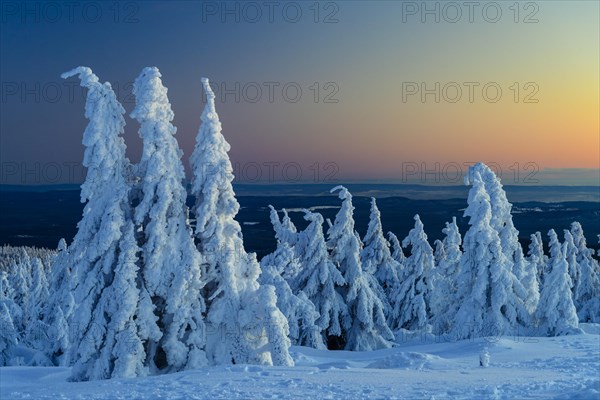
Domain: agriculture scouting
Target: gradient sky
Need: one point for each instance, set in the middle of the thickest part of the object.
(371, 55)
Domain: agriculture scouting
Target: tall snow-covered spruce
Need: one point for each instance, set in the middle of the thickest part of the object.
(413, 295)
(536, 256)
(368, 329)
(320, 279)
(556, 314)
(587, 296)
(397, 254)
(60, 306)
(487, 303)
(377, 259)
(524, 280)
(445, 282)
(8, 333)
(171, 263)
(287, 238)
(101, 256)
(246, 325)
(297, 308)
(279, 269)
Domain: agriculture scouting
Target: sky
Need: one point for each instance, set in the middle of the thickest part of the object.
(316, 92)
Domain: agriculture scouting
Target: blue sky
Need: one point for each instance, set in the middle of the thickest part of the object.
(320, 88)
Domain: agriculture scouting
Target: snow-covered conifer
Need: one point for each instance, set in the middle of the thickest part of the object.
(232, 273)
(445, 282)
(298, 309)
(36, 332)
(368, 330)
(321, 281)
(556, 314)
(59, 307)
(587, 298)
(38, 291)
(525, 286)
(397, 254)
(101, 255)
(113, 347)
(486, 303)
(439, 252)
(536, 256)
(19, 280)
(8, 335)
(171, 262)
(289, 231)
(571, 257)
(377, 259)
(285, 233)
(413, 296)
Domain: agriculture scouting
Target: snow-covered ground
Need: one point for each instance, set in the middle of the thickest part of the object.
(566, 367)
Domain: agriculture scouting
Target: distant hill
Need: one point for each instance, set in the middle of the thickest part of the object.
(36, 216)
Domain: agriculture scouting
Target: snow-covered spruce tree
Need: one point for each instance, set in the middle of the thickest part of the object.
(587, 298)
(232, 274)
(7, 295)
(556, 314)
(280, 269)
(368, 329)
(8, 334)
(171, 263)
(526, 285)
(100, 256)
(413, 296)
(571, 257)
(288, 229)
(445, 282)
(59, 307)
(298, 309)
(377, 259)
(280, 231)
(19, 279)
(120, 351)
(397, 254)
(38, 291)
(487, 304)
(36, 332)
(322, 282)
(536, 256)
(439, 252)
(286, 235)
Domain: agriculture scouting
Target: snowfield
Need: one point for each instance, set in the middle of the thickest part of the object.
(565, 367)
